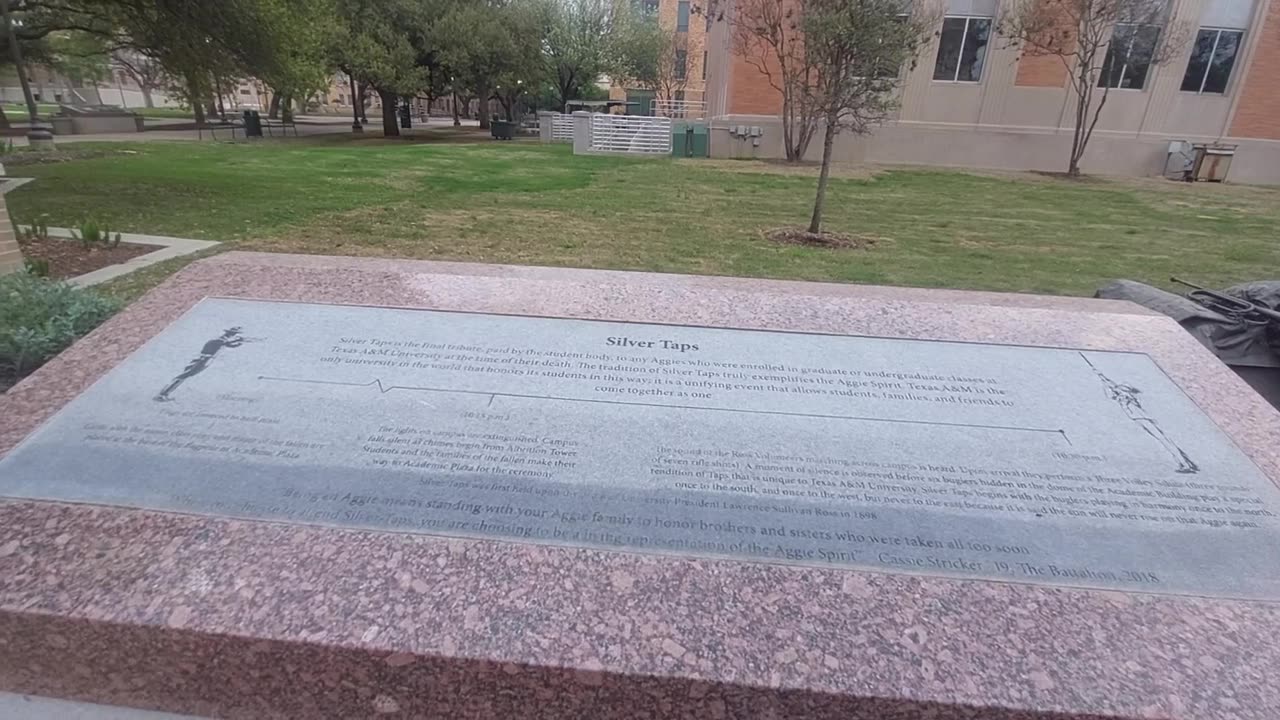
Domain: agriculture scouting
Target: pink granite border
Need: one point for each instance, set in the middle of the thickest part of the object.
(243, 619)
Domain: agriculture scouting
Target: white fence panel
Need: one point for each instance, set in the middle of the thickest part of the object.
(631, 134)
(562, 127)
(680, 109)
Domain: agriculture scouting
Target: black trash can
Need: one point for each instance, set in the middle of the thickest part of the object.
(252, 124)
(503, 129)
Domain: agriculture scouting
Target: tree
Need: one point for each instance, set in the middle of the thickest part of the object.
(494, 49)
(768, 36)
(390, 46)
(578, 46)
(146, 72)
(1103, 44)
(38, 135)
(195, 42)
(650, 56)
(836, 63)
(373, 47)
(857, 50)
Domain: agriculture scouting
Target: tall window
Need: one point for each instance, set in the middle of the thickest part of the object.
(704, 64)
(962, 48)
(1212, 58)
(1129, 56)
(682, 64)
(682, 16)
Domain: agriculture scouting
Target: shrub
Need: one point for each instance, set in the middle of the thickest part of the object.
(39, 318)
(36, 266)
(91, 235)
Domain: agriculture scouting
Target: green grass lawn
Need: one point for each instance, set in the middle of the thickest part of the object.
(17, 112)
(533, 204)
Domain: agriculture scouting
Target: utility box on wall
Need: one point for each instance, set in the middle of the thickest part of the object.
(1212, 161)
(689, 139)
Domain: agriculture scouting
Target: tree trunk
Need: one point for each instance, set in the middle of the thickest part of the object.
(273, 108)
(193, 96)
(4, 119)
(828, 140)
(146, 97)
(483, 112)
(37, 135)
(355, 107)
(456, 121)
(390, 125)
(286, 107)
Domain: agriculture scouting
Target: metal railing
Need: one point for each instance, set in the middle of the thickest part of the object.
(630, 134)
(562, 127)
(679, 109)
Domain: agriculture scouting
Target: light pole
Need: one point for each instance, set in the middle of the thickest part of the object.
(38, 135)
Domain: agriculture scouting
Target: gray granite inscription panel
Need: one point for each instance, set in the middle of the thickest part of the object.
(1051, 466)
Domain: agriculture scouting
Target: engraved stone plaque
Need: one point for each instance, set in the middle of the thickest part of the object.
(1023, 464)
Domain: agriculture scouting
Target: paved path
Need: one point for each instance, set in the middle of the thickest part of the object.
(308, 126)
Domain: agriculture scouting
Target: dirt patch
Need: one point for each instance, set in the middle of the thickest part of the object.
(834, 240)
(68, 258)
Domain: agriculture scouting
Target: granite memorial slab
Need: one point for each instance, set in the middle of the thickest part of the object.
(320, 487)
(1041, 465)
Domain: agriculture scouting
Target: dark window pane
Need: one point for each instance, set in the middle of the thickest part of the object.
(1112, 66)
(682, 16)
(1129, 56)
(949, 49)
(975, 49)
(682, 62)
(1223, 60)
(1140, 52)
(1201, 54)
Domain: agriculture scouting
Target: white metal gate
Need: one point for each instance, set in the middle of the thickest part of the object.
(562, 127)
(631, 134)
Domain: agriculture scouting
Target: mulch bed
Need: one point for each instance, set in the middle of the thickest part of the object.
(68, 258)
(835, 240)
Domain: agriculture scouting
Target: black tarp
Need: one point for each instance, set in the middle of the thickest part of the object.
(1235, 341)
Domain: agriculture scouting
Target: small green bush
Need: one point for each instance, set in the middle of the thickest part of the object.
(36, 266)
(39, 318)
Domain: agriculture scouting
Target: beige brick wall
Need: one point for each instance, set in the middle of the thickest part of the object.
(1258, 112)
(10, 255)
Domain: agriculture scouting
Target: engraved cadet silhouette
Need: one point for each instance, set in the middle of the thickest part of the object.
(230, 338)
(1127, 396)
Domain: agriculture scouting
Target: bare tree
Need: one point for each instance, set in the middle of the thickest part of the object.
(768, 36)
(1104, 44)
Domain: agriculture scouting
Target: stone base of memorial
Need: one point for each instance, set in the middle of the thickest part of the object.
(316, 487)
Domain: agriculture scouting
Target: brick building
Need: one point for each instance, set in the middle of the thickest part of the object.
(973, 102)
(689, 69)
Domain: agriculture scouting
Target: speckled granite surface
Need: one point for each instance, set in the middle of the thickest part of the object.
(246, 619)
